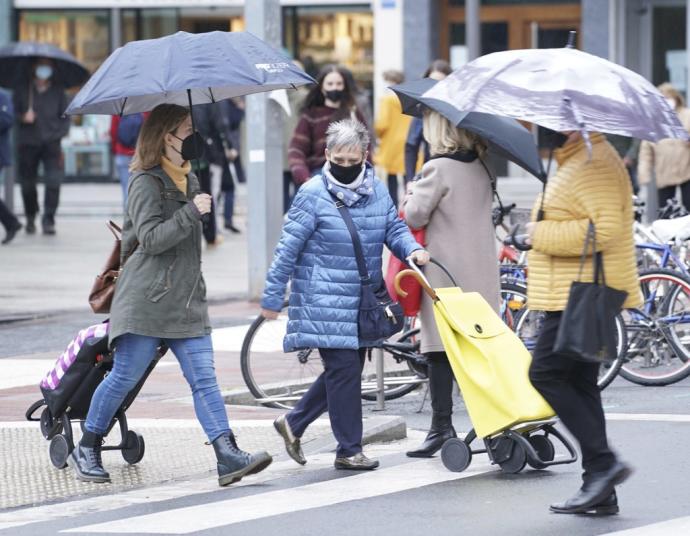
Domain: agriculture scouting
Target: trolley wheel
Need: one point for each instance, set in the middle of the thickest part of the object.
(50, 426)
(134, 448)
(545, 450)
(509, 454)
(59, 451)
(456, 455)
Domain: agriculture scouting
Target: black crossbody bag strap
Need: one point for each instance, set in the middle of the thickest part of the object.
(359, 254)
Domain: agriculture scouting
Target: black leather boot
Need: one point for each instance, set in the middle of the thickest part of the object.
(86, 459)
(441, 390)
(234, 463)
(595, 492)
(441, 430)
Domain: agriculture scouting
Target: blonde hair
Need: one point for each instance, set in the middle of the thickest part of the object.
(164, 119)
(667, 90)
(444, 138)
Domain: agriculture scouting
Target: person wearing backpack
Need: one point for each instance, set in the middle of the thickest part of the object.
(124, 132)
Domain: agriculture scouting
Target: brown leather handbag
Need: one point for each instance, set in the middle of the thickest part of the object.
(103, 289)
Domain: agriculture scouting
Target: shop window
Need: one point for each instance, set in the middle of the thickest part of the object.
(318, 36)
(494, 38)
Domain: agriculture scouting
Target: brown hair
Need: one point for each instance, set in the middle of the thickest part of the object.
(667, 90)
(164, 118)
(440, 66)
(444, 138)
(394, 76)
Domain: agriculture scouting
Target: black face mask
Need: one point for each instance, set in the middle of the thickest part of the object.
(335, 95)
(345, 174)
(190, 145)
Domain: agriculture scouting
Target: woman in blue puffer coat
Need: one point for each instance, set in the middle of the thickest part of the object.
(316, 252)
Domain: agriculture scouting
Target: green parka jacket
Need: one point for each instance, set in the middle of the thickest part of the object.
(161, 291)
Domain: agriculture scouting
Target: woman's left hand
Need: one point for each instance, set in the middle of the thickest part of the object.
(420, 257)
(530, 228)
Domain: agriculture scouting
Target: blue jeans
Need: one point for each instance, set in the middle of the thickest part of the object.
(133, 354)
(122, 167)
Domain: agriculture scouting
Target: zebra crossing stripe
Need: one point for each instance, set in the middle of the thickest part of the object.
(679, 525)
(273, 503)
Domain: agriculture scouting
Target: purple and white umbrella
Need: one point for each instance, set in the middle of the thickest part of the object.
(563, 89)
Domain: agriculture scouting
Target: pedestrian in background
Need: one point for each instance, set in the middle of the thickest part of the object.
(328, 101)
(295, 99)
(452, 199)
(589, 186)
(668, 161)
(438, 70)
(42, 125)
(628, 149)
(7, 218)
(160, 296)
(316, 255)
(391, 128)
(124, 131)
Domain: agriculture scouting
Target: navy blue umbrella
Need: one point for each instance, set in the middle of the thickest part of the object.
(17, 59)
(183, 68)
(506, 137)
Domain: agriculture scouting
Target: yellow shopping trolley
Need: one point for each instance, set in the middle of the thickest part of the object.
(491, 365)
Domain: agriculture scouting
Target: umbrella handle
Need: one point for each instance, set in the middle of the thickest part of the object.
(420, 279)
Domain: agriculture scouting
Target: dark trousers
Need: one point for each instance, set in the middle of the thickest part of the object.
(440, 384)
(393, 188)
(570, 386)
(288, 187)
(667, 192)
(50, 154)
(209, 220)
(8, 220)
(339, 390)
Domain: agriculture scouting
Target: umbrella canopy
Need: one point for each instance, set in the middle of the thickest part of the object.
(207, 67)
(16, 61)
(563, 89)
(506, 136)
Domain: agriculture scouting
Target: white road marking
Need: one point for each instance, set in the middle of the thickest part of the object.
(22, 372)
(222, 513)
(230, 339)
(656, 417)
(680, 525)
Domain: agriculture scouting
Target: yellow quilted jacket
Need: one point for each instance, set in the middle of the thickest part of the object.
(583, 189)
(391, 127)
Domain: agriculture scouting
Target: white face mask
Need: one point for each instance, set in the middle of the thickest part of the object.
(671, 103)
(44, 72)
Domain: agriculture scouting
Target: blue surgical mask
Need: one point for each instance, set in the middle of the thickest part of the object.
(44, 72)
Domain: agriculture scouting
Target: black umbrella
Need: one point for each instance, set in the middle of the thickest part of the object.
(506, 137)
(16, 61)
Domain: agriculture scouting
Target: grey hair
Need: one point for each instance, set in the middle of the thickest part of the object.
(347, 133)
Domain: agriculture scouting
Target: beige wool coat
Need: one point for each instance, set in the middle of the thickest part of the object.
(453, 200)
(668, 160)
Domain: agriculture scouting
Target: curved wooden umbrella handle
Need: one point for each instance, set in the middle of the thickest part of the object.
(411, 273)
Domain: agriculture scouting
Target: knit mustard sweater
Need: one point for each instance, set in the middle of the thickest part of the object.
(583, 189)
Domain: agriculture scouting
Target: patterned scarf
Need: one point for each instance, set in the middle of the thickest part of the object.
(346, 195)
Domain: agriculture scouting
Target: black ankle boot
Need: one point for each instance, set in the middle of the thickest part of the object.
(86, 459)
(234, 463)
(441, 430)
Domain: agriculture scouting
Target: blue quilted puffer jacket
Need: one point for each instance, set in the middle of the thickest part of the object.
(316, 252)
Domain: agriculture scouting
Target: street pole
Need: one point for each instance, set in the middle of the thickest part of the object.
(473, 29)
(265, 149)
(5, 38)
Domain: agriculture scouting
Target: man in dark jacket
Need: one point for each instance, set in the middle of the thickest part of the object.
(8, 220)
(42, 125)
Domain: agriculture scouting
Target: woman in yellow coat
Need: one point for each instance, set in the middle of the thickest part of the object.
(590, 185)
(391, 128)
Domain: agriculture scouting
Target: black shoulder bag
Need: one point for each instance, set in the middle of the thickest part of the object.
(587, 331)
(379, 316)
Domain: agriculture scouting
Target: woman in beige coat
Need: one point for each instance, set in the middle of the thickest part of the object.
(452, 199)
(668, 160)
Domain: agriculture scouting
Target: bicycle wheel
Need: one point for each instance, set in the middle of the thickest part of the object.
(404, 368)
(513, 302)
(278, 379)
(528, 326)
(659, 332)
